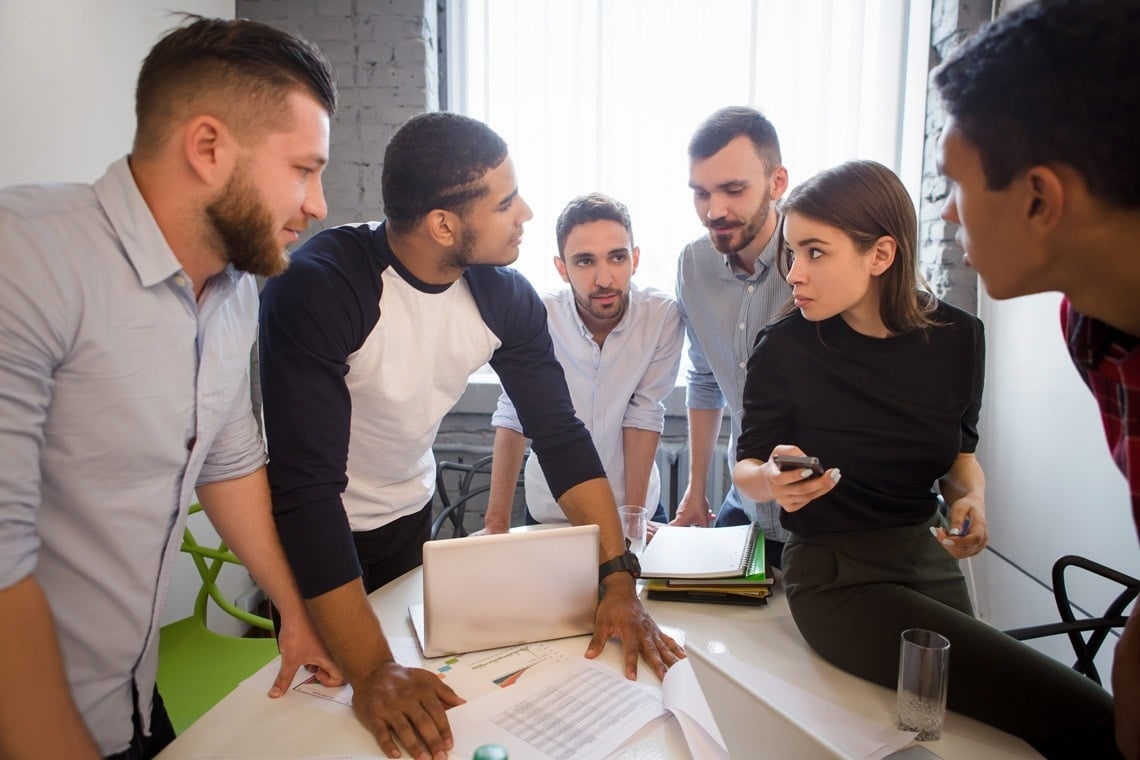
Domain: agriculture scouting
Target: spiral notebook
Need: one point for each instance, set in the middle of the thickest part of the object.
(677, 552)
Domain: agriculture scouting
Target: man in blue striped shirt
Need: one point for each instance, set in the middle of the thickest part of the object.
(728, 288)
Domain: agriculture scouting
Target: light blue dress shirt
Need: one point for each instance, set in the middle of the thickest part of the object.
(621, 384)
(118, 394)
(724, 307)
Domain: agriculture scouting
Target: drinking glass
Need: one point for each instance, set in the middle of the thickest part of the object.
(634, 520)
(924, 657)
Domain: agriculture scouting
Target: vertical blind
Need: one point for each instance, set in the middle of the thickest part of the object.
(605, 94)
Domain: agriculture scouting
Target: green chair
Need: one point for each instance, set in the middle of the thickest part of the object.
(197, 667)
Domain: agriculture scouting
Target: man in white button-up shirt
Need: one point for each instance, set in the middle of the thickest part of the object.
(620, 347)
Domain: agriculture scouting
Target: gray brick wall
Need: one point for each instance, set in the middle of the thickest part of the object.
(385, 56)
(940, 258)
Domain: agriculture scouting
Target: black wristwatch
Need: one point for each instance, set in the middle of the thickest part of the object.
(627, 562)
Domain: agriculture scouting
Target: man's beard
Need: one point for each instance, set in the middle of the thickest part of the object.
(245, 229)
(460, 258)
(587, 305)
(749, 231)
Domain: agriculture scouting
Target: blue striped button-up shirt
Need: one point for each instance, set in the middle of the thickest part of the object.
(724, 308)
(118, 394)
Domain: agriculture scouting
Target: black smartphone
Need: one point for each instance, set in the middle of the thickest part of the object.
(786, 462)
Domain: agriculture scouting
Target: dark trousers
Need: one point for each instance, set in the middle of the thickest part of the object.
(161, 733)
(852, 595)
(391, 550)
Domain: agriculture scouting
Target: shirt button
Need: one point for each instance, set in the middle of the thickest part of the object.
(180, 281)
(741, 325)
(742, 365)
(751, 288)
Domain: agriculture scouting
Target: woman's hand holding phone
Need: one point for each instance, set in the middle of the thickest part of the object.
(796, 479)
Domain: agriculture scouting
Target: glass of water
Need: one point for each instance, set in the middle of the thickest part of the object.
(924, 658)
(634, 521)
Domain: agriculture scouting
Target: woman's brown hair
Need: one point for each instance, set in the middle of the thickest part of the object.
(866, 201)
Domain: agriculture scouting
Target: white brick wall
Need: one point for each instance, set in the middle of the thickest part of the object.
(384, 53)
(940, 258)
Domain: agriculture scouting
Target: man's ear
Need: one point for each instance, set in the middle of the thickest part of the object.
(883, 254)
(443, 227)
(635, 255)
(779, 183)
(209, 149)
(560, 265)
(1044, 200)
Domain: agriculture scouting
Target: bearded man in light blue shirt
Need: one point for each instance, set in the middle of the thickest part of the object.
(620, 348)
(729, 288)
(128, 312)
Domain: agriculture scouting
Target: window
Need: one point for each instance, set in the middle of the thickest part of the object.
(605, 94)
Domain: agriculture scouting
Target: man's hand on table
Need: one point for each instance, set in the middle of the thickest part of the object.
(620, 614)
(406, 704)
(299, 645)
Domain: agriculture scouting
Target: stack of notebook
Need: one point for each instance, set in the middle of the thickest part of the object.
(719, 565)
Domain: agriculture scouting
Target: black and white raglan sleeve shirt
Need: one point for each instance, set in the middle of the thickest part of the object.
(360, 361)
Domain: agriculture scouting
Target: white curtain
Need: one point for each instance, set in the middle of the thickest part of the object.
(604, 95)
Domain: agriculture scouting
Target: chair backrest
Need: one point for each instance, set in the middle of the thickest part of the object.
(470, 487)
(209, 562)
(1099, 628)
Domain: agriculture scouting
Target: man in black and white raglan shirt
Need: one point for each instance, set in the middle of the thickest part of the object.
(366, 342)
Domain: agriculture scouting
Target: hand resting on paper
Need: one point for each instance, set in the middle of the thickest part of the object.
(620, 614)
(407, 704)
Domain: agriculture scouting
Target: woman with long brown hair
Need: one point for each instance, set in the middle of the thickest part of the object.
(882, 382)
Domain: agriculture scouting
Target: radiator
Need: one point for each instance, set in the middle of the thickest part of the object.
(673, 462)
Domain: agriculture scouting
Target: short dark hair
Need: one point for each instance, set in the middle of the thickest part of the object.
(592, 207)
(867, 201)
(1055, 81)
(725, 125)
(436, 161)
(240, 69)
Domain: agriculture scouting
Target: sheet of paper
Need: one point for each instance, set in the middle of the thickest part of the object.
(568, 710)
(476, 674)
(682, 696)
(470, 675)
(851, 732)
(336, 699)
(277, 757)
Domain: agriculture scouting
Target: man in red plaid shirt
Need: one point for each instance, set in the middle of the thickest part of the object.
(1042, 156)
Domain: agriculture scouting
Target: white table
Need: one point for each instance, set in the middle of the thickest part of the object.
(247, 724)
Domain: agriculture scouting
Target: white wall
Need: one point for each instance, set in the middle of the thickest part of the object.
(1052, 487)
(67, 79)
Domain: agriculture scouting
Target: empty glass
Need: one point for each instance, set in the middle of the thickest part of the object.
(924, 657)
(634, 521)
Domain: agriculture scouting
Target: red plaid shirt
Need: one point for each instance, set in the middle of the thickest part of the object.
(1109, 362)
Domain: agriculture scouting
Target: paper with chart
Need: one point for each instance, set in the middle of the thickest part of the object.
(469, 675)
(566, 710)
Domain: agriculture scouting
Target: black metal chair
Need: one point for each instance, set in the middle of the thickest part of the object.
(453, 504)
(1098, 628)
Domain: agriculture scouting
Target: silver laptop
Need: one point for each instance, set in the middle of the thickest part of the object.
(749, 723)
(510, 588)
